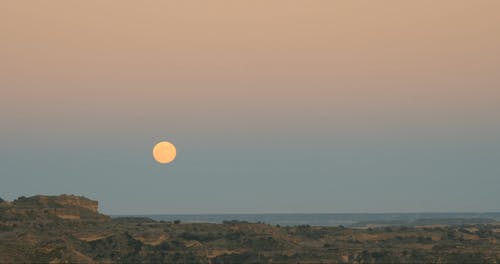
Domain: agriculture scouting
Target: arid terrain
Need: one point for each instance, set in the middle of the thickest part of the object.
(69, 229)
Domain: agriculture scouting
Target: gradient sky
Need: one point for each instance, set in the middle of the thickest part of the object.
(274, 106)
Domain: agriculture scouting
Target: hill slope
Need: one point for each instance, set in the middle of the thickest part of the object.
(69, 229)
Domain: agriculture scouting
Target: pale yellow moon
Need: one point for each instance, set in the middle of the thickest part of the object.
(164, 152)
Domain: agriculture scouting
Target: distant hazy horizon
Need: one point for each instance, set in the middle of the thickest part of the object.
(274, 106)
(331, 219)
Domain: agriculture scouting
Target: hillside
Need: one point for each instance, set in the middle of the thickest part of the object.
(69, 229)
(41, 207)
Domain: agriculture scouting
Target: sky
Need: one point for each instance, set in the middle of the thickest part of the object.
(276, 106)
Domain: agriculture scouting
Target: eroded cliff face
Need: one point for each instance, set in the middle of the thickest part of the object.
(60, 201)
(77, 201)
(64, 206)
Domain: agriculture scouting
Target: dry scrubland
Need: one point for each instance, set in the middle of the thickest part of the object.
(69, 229)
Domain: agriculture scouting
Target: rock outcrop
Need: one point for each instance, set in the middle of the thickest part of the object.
(69, 207)
(77, 201)
(61, 201)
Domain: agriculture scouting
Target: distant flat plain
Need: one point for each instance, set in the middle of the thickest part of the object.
(336, 219)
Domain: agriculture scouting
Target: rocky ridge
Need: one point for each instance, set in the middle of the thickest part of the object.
(43, 206)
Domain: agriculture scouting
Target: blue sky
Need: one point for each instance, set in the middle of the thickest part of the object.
(274, 106)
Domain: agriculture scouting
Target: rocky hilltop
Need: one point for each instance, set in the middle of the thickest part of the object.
(42, 206)
(69, 229)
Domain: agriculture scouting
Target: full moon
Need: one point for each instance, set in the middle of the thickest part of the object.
(164, 152)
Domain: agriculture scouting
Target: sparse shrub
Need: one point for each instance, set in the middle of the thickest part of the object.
(234, 222)
(424, 239)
